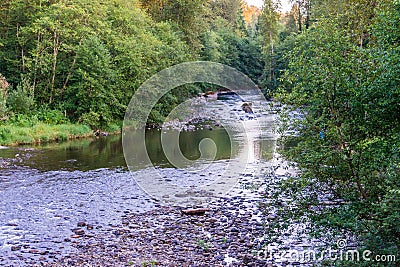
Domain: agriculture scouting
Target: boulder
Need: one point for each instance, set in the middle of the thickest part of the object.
(246, 107)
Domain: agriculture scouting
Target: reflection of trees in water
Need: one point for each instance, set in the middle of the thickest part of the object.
(94, 153)
(84, 154)
(267, 149)
(188, 144)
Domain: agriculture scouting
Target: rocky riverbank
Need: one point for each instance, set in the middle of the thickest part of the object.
(229, 234)
(224, 236)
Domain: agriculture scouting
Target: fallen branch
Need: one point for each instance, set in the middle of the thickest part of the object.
(199, 211)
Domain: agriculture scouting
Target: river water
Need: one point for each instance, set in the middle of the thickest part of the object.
(45, 190)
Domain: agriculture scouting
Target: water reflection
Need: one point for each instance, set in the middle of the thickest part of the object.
(84, 155)
(106, 152)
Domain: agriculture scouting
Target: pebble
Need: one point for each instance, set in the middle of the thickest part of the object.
(15, 248)
(78, 231)
(166, 236)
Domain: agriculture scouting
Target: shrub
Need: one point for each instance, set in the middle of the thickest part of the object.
(4, 135)
(4, 86)
(21, 100)
(91, 118)
(23, 120)
(52, 116)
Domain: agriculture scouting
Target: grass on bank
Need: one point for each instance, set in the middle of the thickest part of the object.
(41, 133)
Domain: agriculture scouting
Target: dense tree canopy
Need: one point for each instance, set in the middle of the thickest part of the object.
(86, 58)
(342, 74)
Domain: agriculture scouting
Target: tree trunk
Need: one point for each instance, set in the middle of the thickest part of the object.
(22, 51)
(55, 53)
(36, 61)
(308, 14)
(272, 62)
(70, 71)
(299, 14)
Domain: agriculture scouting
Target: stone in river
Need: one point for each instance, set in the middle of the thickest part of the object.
(78, 231)
(212, 220)
(81, 224)
(15, 248)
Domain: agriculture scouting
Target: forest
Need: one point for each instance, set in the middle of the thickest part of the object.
(81, 61)
(72, 66)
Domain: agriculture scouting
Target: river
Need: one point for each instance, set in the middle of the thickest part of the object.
(45, 190)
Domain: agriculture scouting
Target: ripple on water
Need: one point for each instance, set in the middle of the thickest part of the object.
(44, 207)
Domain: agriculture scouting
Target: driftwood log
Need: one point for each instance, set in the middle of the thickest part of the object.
(199, 211)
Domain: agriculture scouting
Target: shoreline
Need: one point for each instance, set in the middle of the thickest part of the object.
(42, 133)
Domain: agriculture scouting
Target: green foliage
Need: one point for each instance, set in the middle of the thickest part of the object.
(268, 22)
(5, 135)
(86, 59)
(21, 100)
(250, 60)
(203, 244)
(23, 120)
(212, 42)
(93, 83)
(114, 127)
(91, 118)
(40, 132)
(348, 143)
(3, 107)
(227, 47)
(185, 15)
(151, 263)
(4, 86)
(272, 78)
(387, 26)
(269, 27)
(51, 116)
